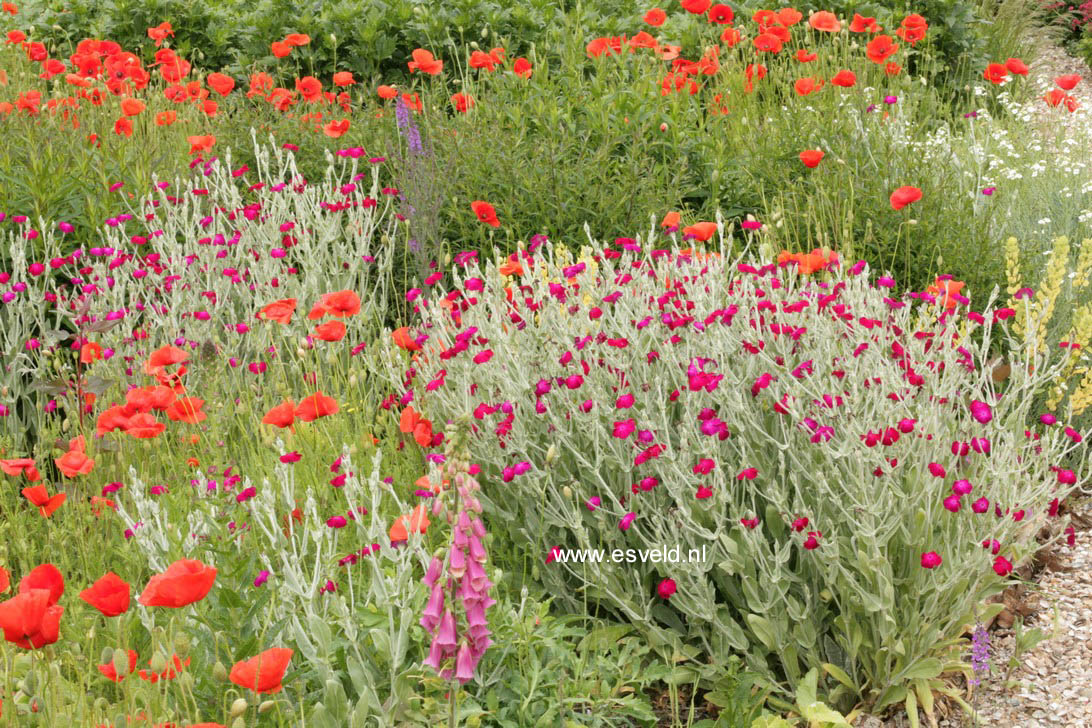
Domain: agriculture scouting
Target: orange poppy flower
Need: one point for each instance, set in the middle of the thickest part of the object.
(387, 92)
(789, 16)
(425, 62)
(144, 426)
(280, 311)
(280, 49)
(511, 268)
(697, 7)
(344, 78)
(767, 43)
(700, 230)
(403, 340)
(825, 21)
(201, 143)
(844, 78)
(805, 86)
(416, 521)
(263, 673)
(165, 118)
(315, 406)
(336, 129)
(671, 219)
(123, 127)
(131, 106)
(949, 289)
(297, 39)
(463, 102)
(32, 619)
(425, 484)
(90, 352)
(904, 196)
(75, 461)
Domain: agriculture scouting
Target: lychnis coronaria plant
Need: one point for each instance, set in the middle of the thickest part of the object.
(843, 480)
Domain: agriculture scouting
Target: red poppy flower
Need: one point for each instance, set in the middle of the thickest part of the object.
(188, 410)
(424, 62)
(330, 331)
(522, 68)
(315, 406)
(462, 102)
(416, 521)
(30, 620)
(995, 73)
(280, 311)
(280, 49)
(131, 106)
(263, 673)
(789, 16)
(721, 14)
(485, 212)
(862, 24)
(1068, 81)
(336, 129)
(201, 143)
(168, 674)
(697, 7)
(220, 83)
(767, 43)
(904, 196)
(825, 21)
(412, 422)
(655, 17)
(5, 580)
(283, 415)
(20, 466)
(75, 461)
(805, 86)
(123, 127)
(880, 48)
(46, 577)
(340, 304)
(1016, 66)
(700, 230)
(844, 78)
(39, 496)
(344, 78)
(811, 157)
(110, 595)
(297, 39)
(184, 582)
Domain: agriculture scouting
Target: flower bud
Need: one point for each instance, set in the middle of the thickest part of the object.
(158, 663)
(567, 492)
(238, 708)
(182, 645)
(106, 655)
(219, 672)
(266, 706)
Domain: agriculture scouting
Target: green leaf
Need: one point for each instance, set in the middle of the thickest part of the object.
(925, 668)
(808, 688)
(840, 675)
(763, 629)
(912, 710)
(823, 713)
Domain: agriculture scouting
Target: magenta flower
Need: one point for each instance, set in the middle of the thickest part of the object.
(1002, 566)
(1067, 477)
(624, 428)
(593, 503)
(750, 523)
(627, 521)
(952, 503)
(962, 487)
(931, 560)
(666, 588)
(263, 577)
(980, 506)
(981, 411)
(937, 470)
(703, 493)
(747, 474)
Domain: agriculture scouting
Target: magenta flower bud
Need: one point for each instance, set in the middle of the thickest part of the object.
(593, 503)
(336, 522)
(931, 560)
(962, 487)
(1067, 477)
(1073, 434)
(937, 470)
(992, 545)
(952, 503)
(263, 577)
(811, 543)
(36, 269)
(907, 425)
(980, 506)
(799, 524)
(666, 588)
(627, 521)
(981, 411)
(65, 227)
(1018, 515)
(750, 523)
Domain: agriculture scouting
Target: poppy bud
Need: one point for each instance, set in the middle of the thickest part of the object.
(238, 708)
(266, 706)
(182, 645)
(567, 492)
(219, 672)
(238, 723)
(106, 655)
(158, 663)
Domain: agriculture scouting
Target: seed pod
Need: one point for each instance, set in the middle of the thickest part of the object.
(219, 672)
(158, 662)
